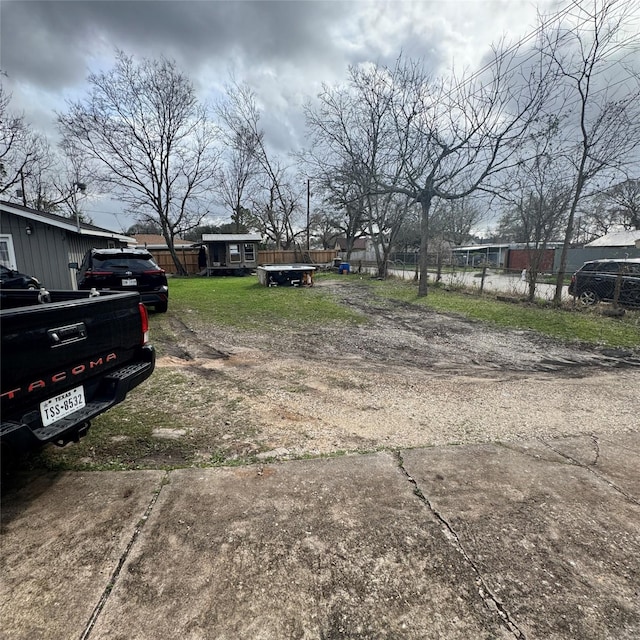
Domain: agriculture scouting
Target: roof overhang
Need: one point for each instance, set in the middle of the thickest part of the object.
(481, 247)
(231, 237)
(159, 247)
(66, 225)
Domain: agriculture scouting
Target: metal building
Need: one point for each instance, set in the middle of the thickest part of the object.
(43, 244)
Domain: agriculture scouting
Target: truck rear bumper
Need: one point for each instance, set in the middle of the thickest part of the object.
(29, 433)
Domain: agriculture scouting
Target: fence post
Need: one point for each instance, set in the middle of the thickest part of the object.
(616, 294)
(484, 273)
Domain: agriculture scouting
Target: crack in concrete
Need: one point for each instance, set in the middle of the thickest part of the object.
(123, 558)
(489, 599)
(596, 447)
(590, 469)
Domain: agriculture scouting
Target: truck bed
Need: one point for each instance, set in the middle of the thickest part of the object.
(67, 358)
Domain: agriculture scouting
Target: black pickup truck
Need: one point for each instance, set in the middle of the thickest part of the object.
(67, 356)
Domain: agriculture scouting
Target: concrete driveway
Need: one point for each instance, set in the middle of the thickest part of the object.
(530, 539)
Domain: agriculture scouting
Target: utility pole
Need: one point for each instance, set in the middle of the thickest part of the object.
(308, 218)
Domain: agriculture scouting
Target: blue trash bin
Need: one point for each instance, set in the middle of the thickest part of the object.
(345, 267)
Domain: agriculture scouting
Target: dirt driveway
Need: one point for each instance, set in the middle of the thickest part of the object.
(535, 538)
(409, 377)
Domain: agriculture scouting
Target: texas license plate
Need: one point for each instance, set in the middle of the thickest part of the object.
(61, 406)
(129, 282)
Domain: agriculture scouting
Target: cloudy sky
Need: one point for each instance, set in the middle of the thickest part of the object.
(283, 50)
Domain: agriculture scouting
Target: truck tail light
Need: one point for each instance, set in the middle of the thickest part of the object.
(144, 321)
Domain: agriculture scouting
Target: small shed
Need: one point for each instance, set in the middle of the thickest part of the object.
(287, 275)
(229, 254)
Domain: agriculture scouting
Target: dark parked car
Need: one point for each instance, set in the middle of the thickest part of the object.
(597, 280)
(12, 279)
(125, 270)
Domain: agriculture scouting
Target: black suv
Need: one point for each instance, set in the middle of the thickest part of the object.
(597, 280)
(125, 270)
(12, 279)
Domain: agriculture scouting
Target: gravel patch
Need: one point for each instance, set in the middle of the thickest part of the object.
(409, 377)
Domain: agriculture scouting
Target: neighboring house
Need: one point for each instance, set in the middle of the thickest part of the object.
(616, 245)
(519, 259)
(156, 244)
(43, 244)
(361, 251)
(617, 239)
(230, 253)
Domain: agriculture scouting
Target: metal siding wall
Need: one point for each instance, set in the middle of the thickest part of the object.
(46, 253)
(577, 257)
(32, 251)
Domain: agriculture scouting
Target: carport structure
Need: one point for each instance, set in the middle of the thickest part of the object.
(473, 255)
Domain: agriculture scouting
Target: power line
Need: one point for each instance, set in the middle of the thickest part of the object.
(539, 30)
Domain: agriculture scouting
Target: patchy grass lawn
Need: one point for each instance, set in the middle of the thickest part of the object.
(175, 419)
(245, 304)
(588, 326)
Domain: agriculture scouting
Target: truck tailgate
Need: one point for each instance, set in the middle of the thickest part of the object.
(82, 347)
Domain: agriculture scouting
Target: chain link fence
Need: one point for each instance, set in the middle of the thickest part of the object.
(507, 283)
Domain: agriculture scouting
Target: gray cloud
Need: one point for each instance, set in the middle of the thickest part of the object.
(284, 50)
(48, 42)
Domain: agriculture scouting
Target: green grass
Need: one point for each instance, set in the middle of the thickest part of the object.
(573, 325)
(244, 304)
(123, 437)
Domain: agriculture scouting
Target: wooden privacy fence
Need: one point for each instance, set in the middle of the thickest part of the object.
(189, 258)
(297, 256)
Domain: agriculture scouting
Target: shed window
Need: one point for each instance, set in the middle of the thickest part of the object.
(7, 253)
(234, 253)
(249, 253)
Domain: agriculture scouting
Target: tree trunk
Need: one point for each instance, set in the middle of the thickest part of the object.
(557, 298)
(180, 270)
(425, 203)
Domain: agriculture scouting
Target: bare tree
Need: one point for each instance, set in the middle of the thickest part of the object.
(537, 192)
(152, 141)
(234, 180)
(621, 204)
(13, 133)
(454, 219)
(275, 198)
(348, 201)
(604, 125)
(274, 207)
(25, 160)
(427, 138)
(451, 224)
(323, 229)
(350, 126)
(241, 136)
(452, 136)
(387, 214)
